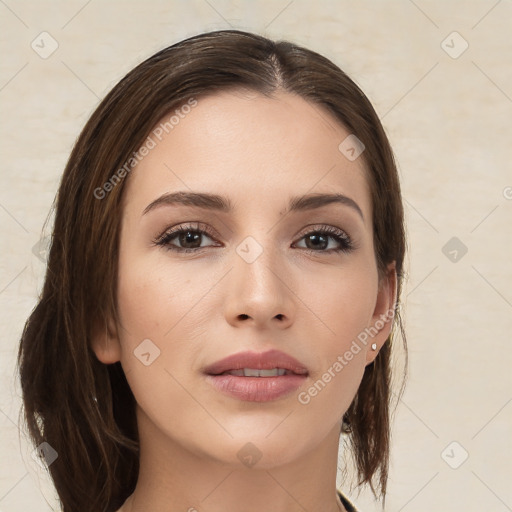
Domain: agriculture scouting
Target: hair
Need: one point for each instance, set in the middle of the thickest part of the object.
(84, 409)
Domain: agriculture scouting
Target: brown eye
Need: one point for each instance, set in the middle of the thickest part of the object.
(188, 239)
(319, 239)
(184, 239)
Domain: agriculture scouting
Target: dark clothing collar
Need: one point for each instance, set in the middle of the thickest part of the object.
(348, 506)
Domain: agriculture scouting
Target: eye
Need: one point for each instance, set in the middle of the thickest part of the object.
(188, 237)
(317, 240)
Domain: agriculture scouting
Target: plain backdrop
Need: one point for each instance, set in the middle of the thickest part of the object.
(440, 77)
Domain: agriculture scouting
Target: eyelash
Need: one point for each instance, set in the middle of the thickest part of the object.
(345, 242)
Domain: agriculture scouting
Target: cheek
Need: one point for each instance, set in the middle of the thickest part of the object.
(155, 312)
(156, 299)
(163, 311)
(343, 302)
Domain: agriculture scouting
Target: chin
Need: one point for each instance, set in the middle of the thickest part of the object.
(259, 451)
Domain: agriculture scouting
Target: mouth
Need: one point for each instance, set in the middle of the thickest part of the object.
(257, 377)
(254, 372)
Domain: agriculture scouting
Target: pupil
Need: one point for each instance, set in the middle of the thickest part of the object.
(317, 238)
(189, 238)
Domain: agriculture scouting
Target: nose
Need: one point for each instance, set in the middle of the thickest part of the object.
(260, 292)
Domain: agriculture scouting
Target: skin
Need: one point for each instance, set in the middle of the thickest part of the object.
(258, 152)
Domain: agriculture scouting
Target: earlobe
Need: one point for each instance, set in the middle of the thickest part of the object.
(105, 343)
(382, 319)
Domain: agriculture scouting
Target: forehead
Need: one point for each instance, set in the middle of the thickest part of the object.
(251, 148)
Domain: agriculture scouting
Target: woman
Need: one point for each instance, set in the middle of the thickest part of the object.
(220, 299)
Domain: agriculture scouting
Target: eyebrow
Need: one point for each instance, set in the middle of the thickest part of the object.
(220, 203)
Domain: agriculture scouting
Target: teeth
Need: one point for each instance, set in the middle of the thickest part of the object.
(251, 372)
(238, 373)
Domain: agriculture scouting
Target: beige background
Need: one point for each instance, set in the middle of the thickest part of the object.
(448, 116)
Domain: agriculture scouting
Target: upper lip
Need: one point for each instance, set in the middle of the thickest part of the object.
(258, 361)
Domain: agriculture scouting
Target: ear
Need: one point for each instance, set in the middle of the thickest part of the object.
(105, 342)
(382, 318)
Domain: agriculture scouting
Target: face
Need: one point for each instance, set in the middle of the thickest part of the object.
(254, 270)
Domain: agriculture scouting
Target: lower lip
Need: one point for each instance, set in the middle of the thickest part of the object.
(257, 389)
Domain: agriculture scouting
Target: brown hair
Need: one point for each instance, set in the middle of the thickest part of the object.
(85, 409)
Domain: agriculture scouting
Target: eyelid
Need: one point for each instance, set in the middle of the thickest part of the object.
(191, 226)
(333, 232)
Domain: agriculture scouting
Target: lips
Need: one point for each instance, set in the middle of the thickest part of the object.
(257, 361)
(257, 377)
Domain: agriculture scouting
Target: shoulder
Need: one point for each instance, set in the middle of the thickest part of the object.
(346, 503)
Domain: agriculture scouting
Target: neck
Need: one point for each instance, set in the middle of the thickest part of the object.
(173, 478)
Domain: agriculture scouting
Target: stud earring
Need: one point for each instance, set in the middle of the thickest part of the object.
(374, 346)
